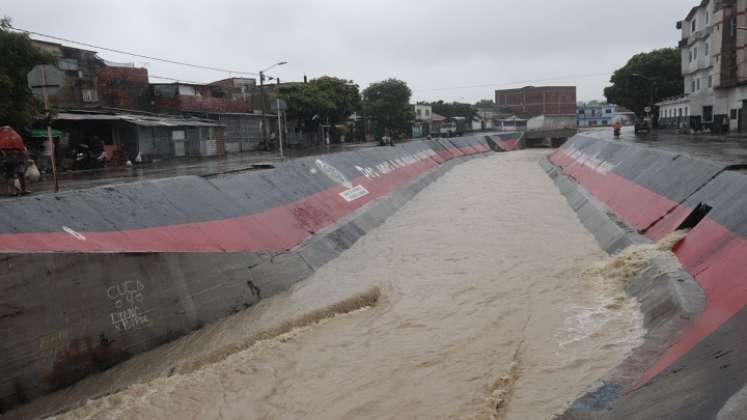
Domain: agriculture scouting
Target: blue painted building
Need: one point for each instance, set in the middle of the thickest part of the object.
(595, 115)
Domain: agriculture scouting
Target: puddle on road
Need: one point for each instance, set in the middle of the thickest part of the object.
(488, 309)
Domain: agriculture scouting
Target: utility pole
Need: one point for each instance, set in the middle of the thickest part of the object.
(265, 125)
(280, 129)
(49, 129)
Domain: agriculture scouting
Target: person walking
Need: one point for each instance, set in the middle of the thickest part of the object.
(13, 158)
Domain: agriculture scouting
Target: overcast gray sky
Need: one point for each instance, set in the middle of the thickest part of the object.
(434, 45)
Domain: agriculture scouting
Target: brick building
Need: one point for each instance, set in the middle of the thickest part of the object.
(90, 82)
(532, 101)
(123, 87)
(179, 98)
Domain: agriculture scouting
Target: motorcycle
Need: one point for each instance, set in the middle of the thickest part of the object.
(616, 132)
(86, 159)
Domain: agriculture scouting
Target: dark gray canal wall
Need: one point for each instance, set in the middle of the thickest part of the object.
(693, 363)
(92, 277)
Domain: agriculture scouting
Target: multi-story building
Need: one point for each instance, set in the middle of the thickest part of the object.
(714, 67)
(90, 82)
(593, 115)
(533, 101)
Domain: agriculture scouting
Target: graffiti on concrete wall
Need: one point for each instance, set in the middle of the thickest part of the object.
(127, 298)
(390, 166)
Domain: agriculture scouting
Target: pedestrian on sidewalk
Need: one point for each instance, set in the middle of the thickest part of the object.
(13, 158)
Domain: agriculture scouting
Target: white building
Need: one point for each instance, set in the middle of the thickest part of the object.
(714, 66)
(675, 112)
(423, 121)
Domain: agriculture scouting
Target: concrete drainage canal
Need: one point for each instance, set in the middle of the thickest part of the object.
(433, 279)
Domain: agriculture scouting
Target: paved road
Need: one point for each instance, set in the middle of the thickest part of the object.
(201, 167)
(720, 148)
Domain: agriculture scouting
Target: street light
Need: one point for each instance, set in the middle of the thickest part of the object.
(265, 129)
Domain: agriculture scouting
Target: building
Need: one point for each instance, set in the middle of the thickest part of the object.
(90, 82)
(437, 121)
(533, 101)
(138, 137)
(596, 115)
(181, 98)
(674, 112)
(714, 67)
(510, 123)
(421, 127)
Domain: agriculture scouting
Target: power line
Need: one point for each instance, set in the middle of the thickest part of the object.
(581, 76)
(153, 76)
(147, 57)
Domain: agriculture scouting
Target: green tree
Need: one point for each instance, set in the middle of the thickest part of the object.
(658, 72)
(485, 104)
(388, 103)
(17, 57)
(322, 100)
(454, 109)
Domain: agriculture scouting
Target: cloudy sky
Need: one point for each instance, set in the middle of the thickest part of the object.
(451, 50)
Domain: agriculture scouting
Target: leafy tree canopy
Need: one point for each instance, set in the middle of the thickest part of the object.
(485, 103)
(17, 57)
(388, 102)
(632, 84)
(322, 100)
(454, 109)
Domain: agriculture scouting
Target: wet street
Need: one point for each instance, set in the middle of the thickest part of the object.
(728, 149)
(492, 305)
(78, 180)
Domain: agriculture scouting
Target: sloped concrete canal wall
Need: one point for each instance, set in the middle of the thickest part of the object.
(694, 364)
(93, 277)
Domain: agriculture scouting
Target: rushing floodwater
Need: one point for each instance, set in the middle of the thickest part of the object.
(477, 301)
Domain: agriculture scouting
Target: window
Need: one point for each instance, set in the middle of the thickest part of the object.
(708, 17)
(68, 64)
(733, 26)
(710, 82)
(694, 24)
(698, 82)
(733, 114)
(707, 48)
(695, 53)
(427, 112)
(691, 56)
(420, 113)
(679, 112)
(90, 95)
(693, 86)
(687, 111)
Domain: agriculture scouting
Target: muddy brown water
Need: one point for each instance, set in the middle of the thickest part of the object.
(491, 302)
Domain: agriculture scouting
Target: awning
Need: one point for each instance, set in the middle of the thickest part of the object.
(43, 134)
(139, 120)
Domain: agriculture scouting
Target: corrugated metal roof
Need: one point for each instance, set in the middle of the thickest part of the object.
(140, 120)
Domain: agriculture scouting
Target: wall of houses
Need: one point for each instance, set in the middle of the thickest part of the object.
(243, 132)
(176, 98)
(80, 68)
(124, 88)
